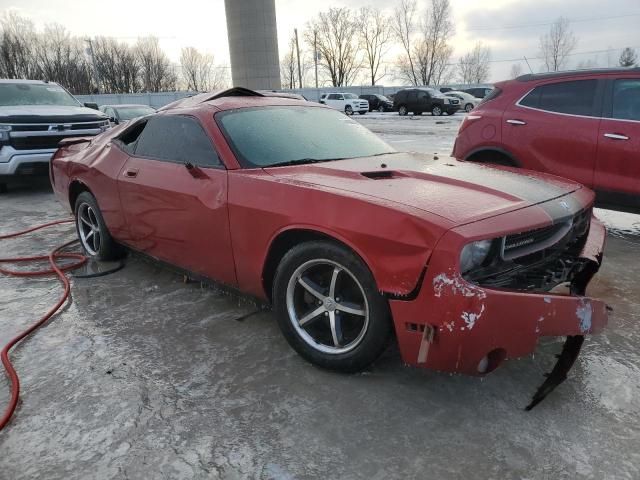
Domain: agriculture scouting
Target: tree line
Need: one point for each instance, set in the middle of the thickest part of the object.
(101, 64)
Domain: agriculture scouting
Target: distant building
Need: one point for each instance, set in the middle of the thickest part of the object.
(253, 43)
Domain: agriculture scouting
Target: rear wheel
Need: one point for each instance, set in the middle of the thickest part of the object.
(381, 109)
(329, 307)
(92, 231)
(436, 110)
(348, 110)
(468, 107)
(402, 110)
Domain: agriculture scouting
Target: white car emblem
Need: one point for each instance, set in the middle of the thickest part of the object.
(564, 205)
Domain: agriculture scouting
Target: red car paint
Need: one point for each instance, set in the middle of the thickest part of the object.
(408, 220)
(594, 146)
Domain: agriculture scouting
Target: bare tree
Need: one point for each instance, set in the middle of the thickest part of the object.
(628, 57)
(474, 67)
(557, 45)
(375, 35)
(288, 65)
(117, 65)
(516, 70)
(17, 47)
(199, 71)
(337, 45)
(427, 52)
(156, 71)
(403, 26)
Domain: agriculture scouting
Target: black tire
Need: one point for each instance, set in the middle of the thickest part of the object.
(468, 107)
(436, 111)
(107, 248)
(381, 109)
(348, 110)
(3, 188)
(403, 110)
(362, 113)
(377, 332)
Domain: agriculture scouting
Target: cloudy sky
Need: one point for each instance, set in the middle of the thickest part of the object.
(511, 28)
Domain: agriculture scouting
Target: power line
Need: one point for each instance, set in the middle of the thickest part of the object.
(544, 24)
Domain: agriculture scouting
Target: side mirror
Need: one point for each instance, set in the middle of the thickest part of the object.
(114, 120)
(91, 105)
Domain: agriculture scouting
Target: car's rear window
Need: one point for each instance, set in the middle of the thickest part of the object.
(575, 97)
(14, 94)
(267, 136)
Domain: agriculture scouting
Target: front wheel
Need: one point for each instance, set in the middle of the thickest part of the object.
(403, 110)
(381, 109)
(329, 308)
(348, 110)
(468, 107)
(436, 111)
(92, 231)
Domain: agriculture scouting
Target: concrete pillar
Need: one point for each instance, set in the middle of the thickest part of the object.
(253, 43)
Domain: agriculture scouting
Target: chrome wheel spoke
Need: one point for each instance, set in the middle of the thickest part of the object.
(89, 235)
(312, 315)
(334, 279)
(313, 288)
(352, 308)
(96, 241)
(336, 329)
(85, 221)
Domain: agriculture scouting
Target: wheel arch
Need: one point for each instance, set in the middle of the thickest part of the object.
(483, 155)
(76, 187)
(286, 239)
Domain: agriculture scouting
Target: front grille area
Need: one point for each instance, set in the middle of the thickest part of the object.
(42, 127)
(550, 256)
(36, 143)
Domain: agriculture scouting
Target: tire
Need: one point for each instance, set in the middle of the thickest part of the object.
(468, 107)
(381, 109)
(436, 111)
(94, 236)
(357, 338)
(362, 113)
(3, 188)
(348, 110)
(402, 110)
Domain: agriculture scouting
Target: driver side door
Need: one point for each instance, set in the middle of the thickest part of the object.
(173, 190)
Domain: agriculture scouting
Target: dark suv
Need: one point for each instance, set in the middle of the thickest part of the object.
(378, 102)
(419, 100)
(583, 125)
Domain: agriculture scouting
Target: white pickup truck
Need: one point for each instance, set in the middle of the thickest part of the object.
(34, 116)
(348, 103)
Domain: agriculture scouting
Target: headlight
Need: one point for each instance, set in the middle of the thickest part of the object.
(4, 132)
(446, 100)
(474, 254)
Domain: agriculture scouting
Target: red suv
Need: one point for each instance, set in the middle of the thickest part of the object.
(583, 125)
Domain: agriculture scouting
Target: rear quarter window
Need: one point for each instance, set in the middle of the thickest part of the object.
(575, 97)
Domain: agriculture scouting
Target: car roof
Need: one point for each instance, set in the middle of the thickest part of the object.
(125, 105)
(27, 82)
(236, 97)
(529, 77)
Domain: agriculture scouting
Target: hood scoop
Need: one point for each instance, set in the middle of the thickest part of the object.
(382, 174)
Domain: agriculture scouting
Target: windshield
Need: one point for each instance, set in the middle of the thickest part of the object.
(383, 98)
(350, 95)
(435, 93)
(129, 113)
(268, 136)
(14, 94)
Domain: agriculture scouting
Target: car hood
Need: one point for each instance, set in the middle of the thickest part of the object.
(460, 192)
(48, 113)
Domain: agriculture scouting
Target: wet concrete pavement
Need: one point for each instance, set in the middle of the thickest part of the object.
(144, 376)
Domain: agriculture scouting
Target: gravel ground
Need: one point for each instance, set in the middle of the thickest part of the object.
(144, 376)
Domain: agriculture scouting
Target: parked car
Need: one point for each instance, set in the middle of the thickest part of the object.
(445, 89)
(34, 116)
(378, 102)
(348, 103)
(479, 92)
(467, 101)
(419, 100)
(271, 195)
(123, 113)
(582, 125)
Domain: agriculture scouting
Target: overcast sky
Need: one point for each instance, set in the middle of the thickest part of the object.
(511, 28)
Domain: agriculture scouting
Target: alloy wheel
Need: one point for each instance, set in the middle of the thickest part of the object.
(89, 229)
(327, 306)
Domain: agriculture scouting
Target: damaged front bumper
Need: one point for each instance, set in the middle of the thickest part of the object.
(456, 326)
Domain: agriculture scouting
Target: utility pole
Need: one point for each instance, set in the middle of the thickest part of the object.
(93, 62)
(315, 53)
(295, 30)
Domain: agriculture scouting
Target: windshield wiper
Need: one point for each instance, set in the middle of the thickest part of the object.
(301, 161)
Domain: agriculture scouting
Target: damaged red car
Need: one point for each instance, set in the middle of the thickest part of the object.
(350, 240)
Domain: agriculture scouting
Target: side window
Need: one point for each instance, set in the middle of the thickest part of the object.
(626, 99)
(575, 97)
(129, 138)
(412, 97)
(340, 97)
(332, 96)
(177, 138)
(423, 96)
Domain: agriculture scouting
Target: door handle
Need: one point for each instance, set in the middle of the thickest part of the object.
(131, 173)
(616, 136)
(516, 122)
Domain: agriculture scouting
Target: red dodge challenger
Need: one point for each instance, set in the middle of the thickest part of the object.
(350, 240)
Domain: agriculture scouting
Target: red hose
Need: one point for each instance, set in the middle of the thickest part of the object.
(54, 268)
